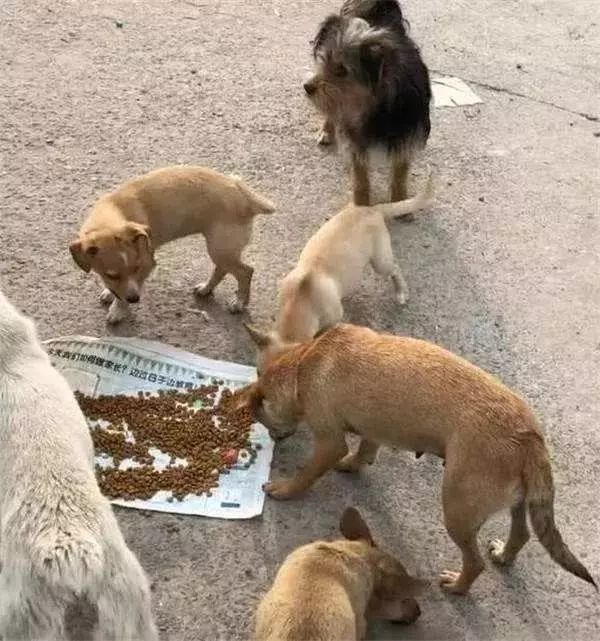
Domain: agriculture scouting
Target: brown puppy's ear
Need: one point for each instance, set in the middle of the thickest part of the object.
(353, 526)
(400, 586)
(393, 598)
(81, 257)
(260, 338)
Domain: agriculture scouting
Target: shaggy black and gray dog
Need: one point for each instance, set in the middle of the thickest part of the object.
(372, 87)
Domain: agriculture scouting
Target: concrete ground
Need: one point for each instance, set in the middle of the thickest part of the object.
(503, 269)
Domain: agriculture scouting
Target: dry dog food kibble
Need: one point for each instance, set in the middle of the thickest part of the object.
(185, 426)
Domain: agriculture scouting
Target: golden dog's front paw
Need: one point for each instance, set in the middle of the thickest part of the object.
(451, 582)
(281, 489)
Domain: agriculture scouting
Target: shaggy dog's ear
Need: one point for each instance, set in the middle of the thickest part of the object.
(328, 32)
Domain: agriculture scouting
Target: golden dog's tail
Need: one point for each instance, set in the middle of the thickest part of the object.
(258, 204)
(404, 207)
(539, 495)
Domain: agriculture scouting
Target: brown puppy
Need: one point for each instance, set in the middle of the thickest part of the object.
(414, 395)
(126, 226)
(324, 591)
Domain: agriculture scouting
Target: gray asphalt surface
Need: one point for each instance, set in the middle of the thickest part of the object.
(503, 269)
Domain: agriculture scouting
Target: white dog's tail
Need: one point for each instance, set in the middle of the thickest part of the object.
(70, 560)
(258, 204)
(404, 207)
(106, 572)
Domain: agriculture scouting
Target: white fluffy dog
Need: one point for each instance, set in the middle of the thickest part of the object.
(59, 539)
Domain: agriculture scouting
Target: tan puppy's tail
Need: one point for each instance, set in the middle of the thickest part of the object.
(539, 495)
(258, 203)
(404, 207)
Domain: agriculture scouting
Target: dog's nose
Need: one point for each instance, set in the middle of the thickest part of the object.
(133, 298)
(310, 88)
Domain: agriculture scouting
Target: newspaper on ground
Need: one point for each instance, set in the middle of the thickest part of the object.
(452, 92)
(115, 365)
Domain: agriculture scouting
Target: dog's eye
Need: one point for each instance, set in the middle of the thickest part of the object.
(340, 71)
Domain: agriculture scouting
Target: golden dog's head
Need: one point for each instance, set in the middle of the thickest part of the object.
(123, 258)
(273, 398)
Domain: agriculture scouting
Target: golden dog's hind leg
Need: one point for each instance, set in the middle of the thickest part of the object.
(505, 553)
(364, 455)
(464, 513)
(472, 561)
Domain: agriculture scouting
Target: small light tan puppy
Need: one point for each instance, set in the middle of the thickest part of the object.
(416, 396)
(332, 264)
(126, 226)
(325, 591)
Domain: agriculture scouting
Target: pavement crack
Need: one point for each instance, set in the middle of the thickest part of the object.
(518, 94)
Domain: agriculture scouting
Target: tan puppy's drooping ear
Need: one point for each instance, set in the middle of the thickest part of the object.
(260, 338)
(141, 235)
(81, 257)
(353, 526)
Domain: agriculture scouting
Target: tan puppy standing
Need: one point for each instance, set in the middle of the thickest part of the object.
(332, 264)
(416, 396)
(325, 591)
(126, 226)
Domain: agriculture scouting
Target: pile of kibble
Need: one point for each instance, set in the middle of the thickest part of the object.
(179, 424)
